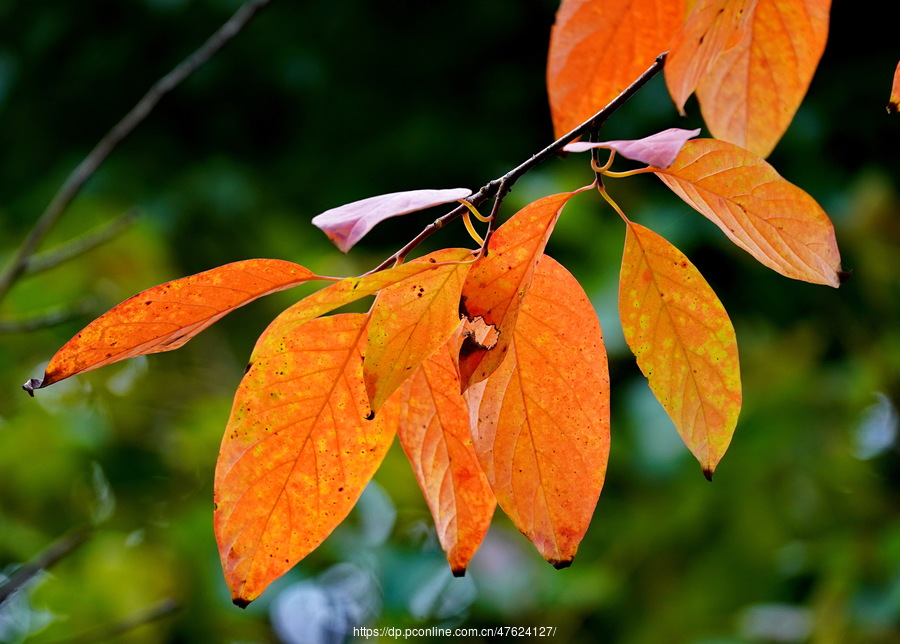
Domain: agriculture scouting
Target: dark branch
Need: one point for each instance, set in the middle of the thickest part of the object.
(493, 189)
(44, 560)
(79, 176)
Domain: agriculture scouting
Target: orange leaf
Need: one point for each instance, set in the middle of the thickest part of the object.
(434, 433)
(753, 90)
(711, 27)
(297, 451)
(769, 217)
(498, 281)
(683, 340)
(894, 103)
(351, 289)
(409, 321)
(165, 317)
(598, 48)
(542, 431)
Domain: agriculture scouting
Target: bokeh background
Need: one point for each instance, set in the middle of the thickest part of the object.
(319, 103)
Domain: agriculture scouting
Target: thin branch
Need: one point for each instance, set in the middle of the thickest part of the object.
(45, 318)
(44, 560)
(80, 245)
(148, 615)
(506, 182)
(79, 176)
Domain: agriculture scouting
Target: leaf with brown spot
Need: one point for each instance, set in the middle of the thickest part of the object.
(498, 281)
(769, 217)
(165, 317)
(409, 321)
(434, 432)
(683, 340)
(598, 48)
(541, 427)
(297, 451)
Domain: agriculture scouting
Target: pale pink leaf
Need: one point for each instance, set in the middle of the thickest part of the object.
(347, 224)
(658, 149)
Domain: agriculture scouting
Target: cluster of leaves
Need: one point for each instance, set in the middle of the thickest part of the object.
(489, 363)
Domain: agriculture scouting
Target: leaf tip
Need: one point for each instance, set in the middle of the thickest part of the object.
(459, 571)
(892, 107)
(240, 602)
(31, 384)
(559, 564)
(708, 473)
(843, 276)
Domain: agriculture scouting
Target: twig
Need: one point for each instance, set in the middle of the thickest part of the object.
(507, 181)
(79, 176)
(47, 558)
(48, 317)
(153, 613)
(80, 245)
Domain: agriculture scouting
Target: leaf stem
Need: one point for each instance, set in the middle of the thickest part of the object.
(89, 165)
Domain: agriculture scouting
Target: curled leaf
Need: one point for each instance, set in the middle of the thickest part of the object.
(165, 317)
(658, 149)
(683, 341)
(347, 224)
(769, 217)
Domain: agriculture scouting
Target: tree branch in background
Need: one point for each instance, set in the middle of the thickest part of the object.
(47, 558)
(79, 176)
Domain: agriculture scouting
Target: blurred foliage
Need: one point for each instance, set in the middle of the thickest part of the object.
(317, 104)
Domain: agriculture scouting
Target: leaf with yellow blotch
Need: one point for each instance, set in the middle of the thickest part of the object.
(894, 103)
(351, 289)
(498, 281)
(598, 48)
(769, 217)
(297, 451)
(165, 317)
(411, 320)
(712, 26)
(751, 93)
(541, 421)
(684, 342)
(434, 433)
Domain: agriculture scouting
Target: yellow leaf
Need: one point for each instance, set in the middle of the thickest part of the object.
(599, 47)
(498, 281)
(542, 429)
(434, 433)
(769, 217)
(683, 340)
(409, 321)
(297, 451)
(753, 90)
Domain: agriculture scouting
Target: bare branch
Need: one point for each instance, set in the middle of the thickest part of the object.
(79, 176)
(45, 318)
(47, 558)
(106, 632)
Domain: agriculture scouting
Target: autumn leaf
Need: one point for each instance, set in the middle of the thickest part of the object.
(409, 321)
(751, 93)
(498, 281)
(683, 341)
(297, 451)
(598, 47)
(165, 317)
(541, 421)
(894, 103)
(347, 224)
(434, 433)
(769, 217)
(712, 27)
(660, 149)
(351, 289)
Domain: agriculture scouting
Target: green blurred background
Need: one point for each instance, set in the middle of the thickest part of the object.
(321, 103)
